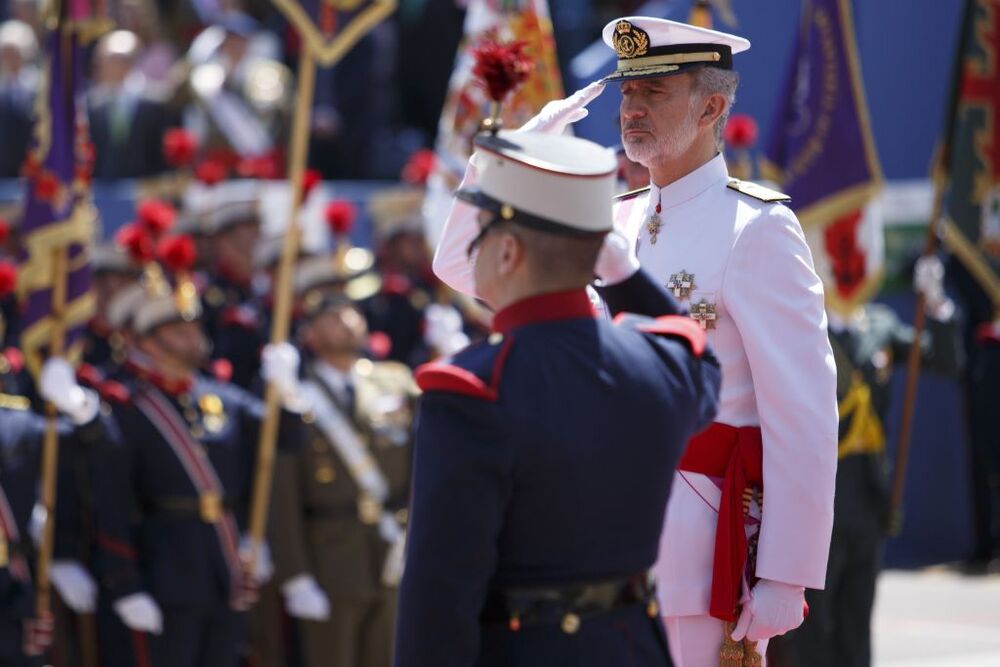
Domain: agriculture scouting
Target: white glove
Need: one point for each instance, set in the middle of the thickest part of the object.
(617, 261)
(390, 531)
(57, 384)
(305, 599)
(557, 115)
(280, 366)
(928, 279)
(928, 276)
(773, 608)
(75, 585)
(36, 526)
(263, 566)
(140, 612)
(443, 329)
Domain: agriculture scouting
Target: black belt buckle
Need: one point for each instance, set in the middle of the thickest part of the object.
(568, 606)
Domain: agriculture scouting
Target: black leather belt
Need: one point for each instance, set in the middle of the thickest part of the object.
(207, 508)
(569, 605)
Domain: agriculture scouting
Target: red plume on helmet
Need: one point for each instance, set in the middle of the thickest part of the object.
(501, 67)
(310, 179)
(8, 278)
(419, 167)
(211, 171)
(136, 240)
(179, 147)
(4, 231)
(741, 131)
(340, 216)
(177, 253)
(156, 216)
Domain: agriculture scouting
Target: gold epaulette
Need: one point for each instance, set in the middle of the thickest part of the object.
(757, 191)
(12, 402)
(631, 193)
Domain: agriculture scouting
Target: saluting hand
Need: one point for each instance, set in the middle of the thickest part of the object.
(557, 115)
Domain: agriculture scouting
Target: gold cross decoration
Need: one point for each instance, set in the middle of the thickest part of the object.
(681, 284)
(704, 314)
(653, 227)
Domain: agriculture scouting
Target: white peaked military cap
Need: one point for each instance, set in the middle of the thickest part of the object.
(649, 47)
(235, 202)
(122, 306)
(552, 183)
(109, 258)
(155, 310)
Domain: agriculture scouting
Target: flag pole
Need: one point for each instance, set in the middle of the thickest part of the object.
(913, 359)
(931, 244)
(281, 314)
(57, 343)
(50, 439)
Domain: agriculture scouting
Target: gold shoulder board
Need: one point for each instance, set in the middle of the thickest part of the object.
(631, 193)
(757, 191)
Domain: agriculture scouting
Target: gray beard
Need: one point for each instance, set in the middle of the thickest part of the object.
(664, 147)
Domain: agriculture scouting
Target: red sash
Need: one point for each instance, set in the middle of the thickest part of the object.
(735, 455)
(172, 428)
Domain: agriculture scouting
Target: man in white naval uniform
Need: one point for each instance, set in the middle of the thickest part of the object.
(738, 259)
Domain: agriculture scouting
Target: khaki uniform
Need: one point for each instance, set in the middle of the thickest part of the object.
(327, 523)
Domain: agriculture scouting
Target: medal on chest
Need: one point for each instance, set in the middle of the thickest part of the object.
(705, 314)
(681, 284)
(653, 225)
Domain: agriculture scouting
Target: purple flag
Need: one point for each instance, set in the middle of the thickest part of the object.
(822, 154)
(58, 212)
(821, 149)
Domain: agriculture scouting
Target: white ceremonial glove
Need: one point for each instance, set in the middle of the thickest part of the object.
(280, 366)
(557, 115)
(140, 612)
(617, 261)
(305, 599)
(36, 525)
(392, 569)
(75, 585)
(928, 275)
(263, 566)
(57, 384)
(928, 279)
(773, 608)
(443, 329)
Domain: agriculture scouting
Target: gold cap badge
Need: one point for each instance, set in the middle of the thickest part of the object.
(630, 41)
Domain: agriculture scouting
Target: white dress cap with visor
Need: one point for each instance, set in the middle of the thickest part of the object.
(552, 183)
(648, 47)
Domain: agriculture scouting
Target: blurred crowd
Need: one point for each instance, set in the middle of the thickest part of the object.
(225, 70)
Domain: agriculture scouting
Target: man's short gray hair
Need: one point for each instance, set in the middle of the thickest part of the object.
(714, 81)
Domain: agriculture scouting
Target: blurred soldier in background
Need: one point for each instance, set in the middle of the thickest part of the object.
(173, 487)
(867, 345)
(340, 523)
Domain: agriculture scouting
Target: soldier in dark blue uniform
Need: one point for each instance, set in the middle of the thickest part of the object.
(233, 320)
(21, 433)
(173, 489)
(544, 455)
